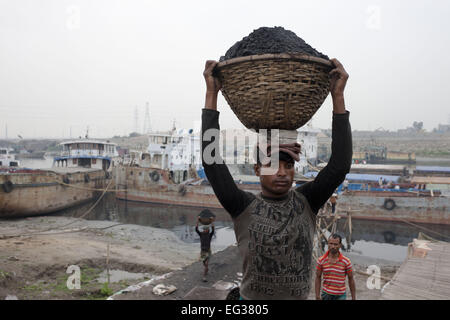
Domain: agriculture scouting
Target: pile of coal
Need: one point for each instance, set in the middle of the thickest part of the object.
(206, 216)
(271, 40)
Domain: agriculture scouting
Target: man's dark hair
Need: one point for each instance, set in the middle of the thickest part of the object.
(336, 236)
(283, 156)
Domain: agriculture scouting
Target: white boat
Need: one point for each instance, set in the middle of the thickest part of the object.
(7, 159)
(87, 153)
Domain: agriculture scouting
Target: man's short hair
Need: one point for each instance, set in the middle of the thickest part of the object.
(336, 236)
(283, 156)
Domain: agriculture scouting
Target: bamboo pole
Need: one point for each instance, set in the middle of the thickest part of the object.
(107, 262)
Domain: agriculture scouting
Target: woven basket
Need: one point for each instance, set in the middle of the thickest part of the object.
(206, 221)
(275, 91)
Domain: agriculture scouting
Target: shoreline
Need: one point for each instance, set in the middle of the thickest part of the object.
(34, 266)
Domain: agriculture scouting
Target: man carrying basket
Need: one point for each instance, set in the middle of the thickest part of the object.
(275, 228)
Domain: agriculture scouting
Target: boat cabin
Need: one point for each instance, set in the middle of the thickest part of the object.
(87, 154)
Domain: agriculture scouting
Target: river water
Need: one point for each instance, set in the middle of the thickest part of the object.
(375, 239)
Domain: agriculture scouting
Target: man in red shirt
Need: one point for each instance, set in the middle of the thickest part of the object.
(335, 267)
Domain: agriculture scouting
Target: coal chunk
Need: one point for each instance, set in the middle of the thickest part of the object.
(271, 40)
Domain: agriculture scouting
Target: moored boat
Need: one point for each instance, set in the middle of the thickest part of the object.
(82, 169)
(155, 185)
(411, 205)
(7, 159)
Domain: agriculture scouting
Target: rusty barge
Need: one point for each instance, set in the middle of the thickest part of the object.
(154, 185)
(170, 173)
(416, 206)
(28, 192)
(82, 169)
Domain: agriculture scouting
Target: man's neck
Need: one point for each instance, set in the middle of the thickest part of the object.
(272, 196)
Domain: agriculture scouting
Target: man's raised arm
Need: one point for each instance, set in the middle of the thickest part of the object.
(329, 178)
(230, 196)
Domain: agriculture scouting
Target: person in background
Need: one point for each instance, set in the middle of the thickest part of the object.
(205, 245)
(334, 267)
(333, 201)
(345, 185)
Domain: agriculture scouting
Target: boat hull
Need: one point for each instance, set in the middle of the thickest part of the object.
(395, 206)
(37, 192)
(136, 184)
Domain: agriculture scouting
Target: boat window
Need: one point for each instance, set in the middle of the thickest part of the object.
(2, 151)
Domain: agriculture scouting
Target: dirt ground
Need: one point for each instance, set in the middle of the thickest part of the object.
(34, 266)
(225, 271)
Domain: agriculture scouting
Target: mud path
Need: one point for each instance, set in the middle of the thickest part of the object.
(34, 266)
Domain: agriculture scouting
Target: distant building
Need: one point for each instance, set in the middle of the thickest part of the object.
(307, 137)
(443, 128)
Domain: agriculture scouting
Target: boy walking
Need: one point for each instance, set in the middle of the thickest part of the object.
(205, 245)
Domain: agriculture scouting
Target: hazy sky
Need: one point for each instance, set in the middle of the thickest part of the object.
(67, 65)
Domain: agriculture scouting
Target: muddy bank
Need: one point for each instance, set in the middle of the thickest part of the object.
(225, 269)
(34, 264)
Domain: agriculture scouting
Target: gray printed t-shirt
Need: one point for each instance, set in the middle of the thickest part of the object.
(275, 239)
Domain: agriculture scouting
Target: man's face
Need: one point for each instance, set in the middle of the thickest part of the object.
(334, 245)
(279, 183)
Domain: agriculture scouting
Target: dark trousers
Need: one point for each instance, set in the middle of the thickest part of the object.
(326, 296)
